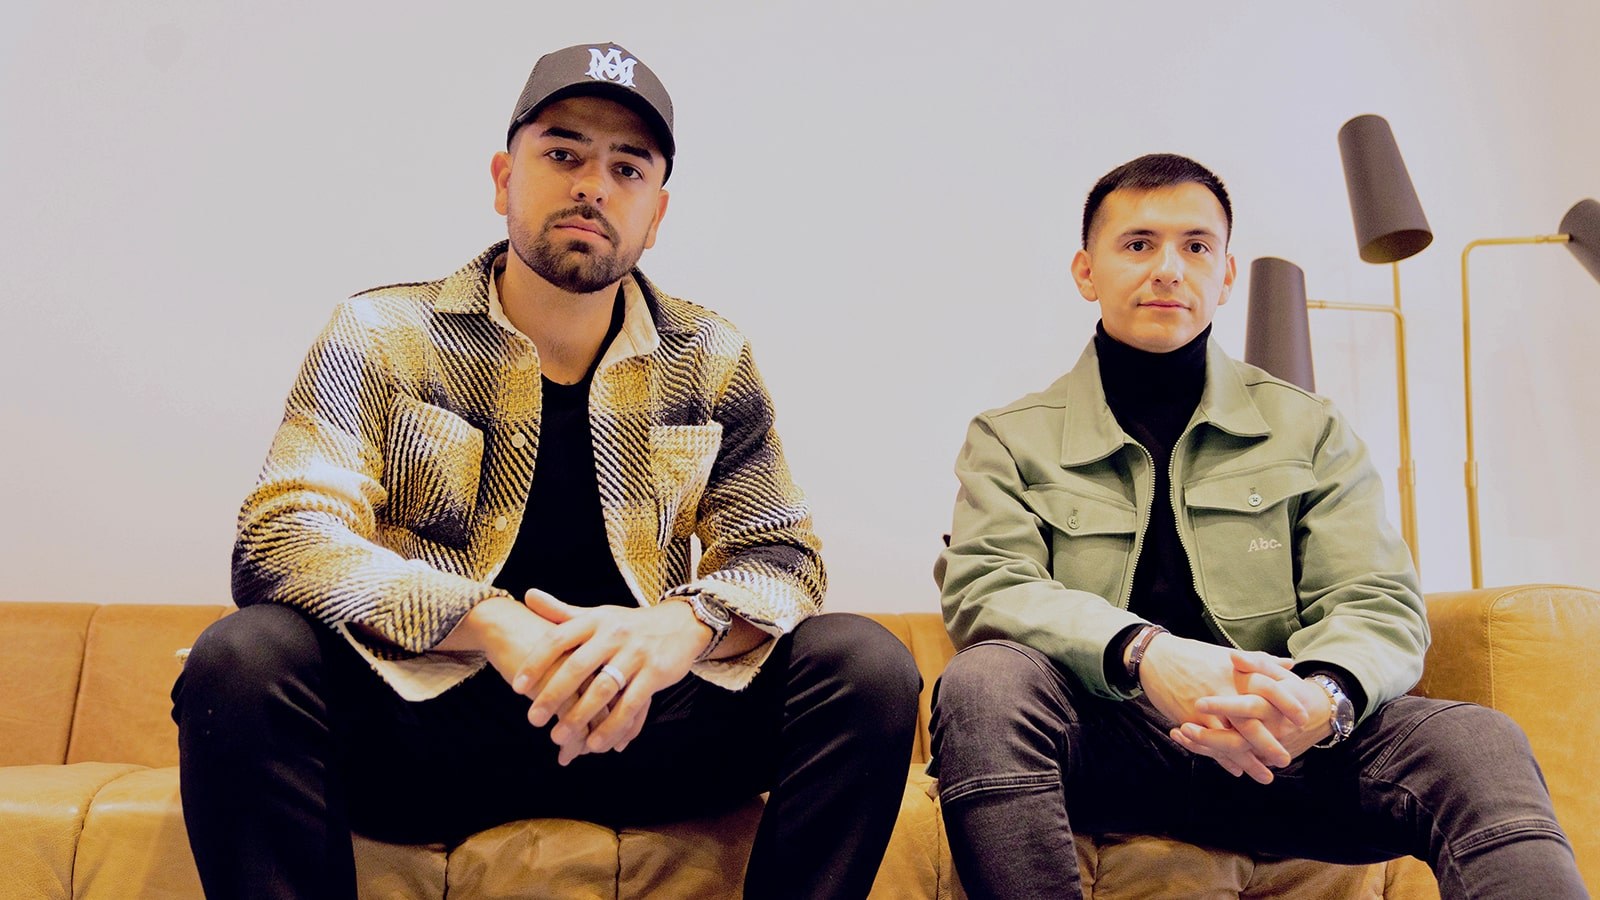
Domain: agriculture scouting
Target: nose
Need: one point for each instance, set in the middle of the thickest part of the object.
(1169, 265)
(589, 184)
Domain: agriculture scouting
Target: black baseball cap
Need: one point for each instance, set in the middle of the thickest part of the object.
(599, 70)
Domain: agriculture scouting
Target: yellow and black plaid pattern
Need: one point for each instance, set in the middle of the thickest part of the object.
(396, 483)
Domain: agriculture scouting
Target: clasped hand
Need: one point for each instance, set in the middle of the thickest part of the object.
(568, 661)
(1247, 710)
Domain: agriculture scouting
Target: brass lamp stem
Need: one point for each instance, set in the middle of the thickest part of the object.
(1474, 538)
(1408, 470)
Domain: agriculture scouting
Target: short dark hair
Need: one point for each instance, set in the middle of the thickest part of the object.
(1149, 172)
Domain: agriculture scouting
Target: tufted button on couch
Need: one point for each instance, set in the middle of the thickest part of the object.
(89, 784)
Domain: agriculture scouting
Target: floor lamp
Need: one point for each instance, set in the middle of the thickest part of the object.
(1580, 231)
(1277, 338)
(1390, 226)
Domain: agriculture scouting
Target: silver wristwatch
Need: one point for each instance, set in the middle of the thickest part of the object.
(1342, 714)
(713, 614)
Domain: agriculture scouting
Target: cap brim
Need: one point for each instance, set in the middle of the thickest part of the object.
(608, 91)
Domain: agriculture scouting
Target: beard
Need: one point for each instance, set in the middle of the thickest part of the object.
(572, 265)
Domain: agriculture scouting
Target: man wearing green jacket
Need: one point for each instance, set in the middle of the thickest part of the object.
(1183, 611)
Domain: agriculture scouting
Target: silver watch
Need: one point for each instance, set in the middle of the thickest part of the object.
(1342, 712)
(713, 614)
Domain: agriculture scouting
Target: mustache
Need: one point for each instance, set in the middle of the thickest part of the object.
(588, 213)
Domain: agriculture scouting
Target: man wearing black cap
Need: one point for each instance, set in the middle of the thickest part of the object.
(508, 466)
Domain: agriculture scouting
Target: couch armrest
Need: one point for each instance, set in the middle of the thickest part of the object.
(1530, 651)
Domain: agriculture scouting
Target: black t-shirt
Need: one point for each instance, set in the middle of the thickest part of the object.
(561, 547)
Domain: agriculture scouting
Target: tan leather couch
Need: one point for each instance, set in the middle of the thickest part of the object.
(89, 789)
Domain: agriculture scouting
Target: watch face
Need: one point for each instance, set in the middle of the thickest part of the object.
(712, 612)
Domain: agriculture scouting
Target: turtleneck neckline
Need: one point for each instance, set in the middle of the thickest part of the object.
(1177, 375)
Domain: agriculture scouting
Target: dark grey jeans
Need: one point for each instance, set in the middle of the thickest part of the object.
(1018, 743)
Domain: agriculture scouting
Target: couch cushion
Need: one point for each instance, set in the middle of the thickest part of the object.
(561, 859)
(42, 810)
(1520, 650)
(1122, 867)
(124, 711)
(39, 674)
(700, 858)
(385, 871)
(917, 862)
(133, 842)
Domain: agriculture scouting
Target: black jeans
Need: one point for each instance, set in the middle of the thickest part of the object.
(1018, 744)
(288, 742)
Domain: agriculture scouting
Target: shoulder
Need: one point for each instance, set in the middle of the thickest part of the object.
(393, 305)
(1049, 403)
(1283, 402)
(687, 329)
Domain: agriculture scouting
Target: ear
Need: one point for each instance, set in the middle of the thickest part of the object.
(500, 171)
(661, 213)
(1227, 279)
(1082, 274)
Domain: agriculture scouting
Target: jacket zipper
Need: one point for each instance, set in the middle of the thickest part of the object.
(1172, 490)
(1138, 540)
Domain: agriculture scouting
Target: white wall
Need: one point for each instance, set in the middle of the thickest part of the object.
(884, 195)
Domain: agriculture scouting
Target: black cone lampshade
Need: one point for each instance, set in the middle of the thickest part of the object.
(1277, 334)
(1390, 225)
(1581, 225)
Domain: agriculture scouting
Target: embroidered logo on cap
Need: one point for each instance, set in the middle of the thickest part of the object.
(610, 66)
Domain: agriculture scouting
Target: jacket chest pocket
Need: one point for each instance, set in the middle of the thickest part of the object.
(681, 457)
(1243, 528)
(1091, 538)
(433, 460)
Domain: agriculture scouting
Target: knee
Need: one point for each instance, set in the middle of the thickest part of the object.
(1475, 738)
(249, 651)
(869, 665)
(986, 684)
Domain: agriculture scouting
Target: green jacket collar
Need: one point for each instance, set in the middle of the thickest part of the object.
(1092, 433)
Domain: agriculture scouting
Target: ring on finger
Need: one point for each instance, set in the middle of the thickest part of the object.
(615, 674)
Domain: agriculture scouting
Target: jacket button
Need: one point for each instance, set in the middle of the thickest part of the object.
(1254, 499)
(519, 440)
(501, 523)
(1072, 522)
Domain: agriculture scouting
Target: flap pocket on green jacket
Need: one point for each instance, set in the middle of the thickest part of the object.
(1090, 538)
(1243, 545)
(1080, 515)
(1253, 491)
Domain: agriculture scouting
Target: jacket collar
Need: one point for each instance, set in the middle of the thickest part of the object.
(1091, 432)
(467, 290)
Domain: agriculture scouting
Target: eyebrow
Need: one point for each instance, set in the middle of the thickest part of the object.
(1150, 232)
(556, 131)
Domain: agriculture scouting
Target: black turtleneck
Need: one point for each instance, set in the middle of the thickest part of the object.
(1153, 396)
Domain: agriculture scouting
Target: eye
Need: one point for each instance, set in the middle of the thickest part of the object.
(1138, 245)
(631, 173)
(1199, 247)
(561, 154)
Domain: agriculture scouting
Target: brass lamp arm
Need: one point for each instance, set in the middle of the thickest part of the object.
(1474, 538)
(1408, 470)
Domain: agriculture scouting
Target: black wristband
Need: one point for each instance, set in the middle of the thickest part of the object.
(1141, 643)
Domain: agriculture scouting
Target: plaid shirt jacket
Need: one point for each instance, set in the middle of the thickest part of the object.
(396, 484)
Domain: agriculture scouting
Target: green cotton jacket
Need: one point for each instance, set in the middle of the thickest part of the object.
(1279, 510)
